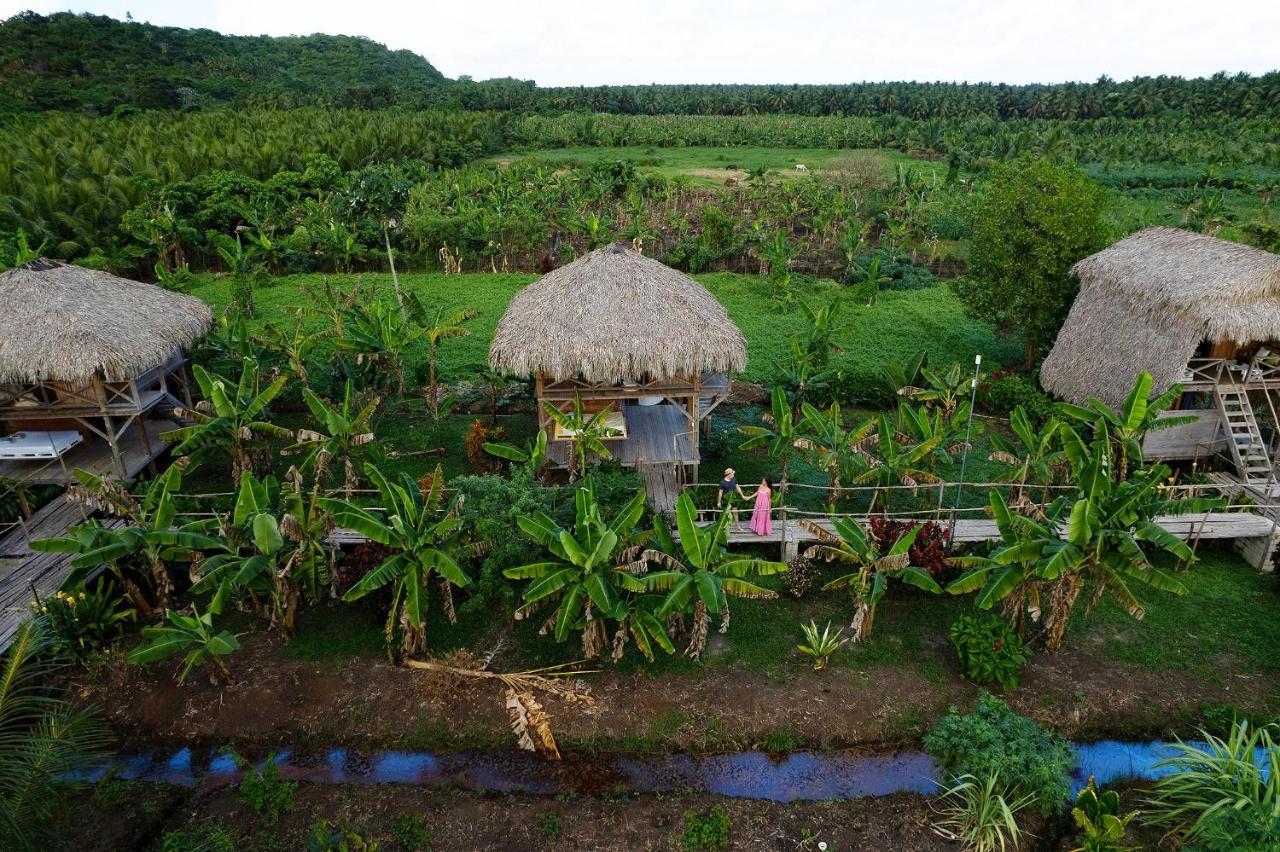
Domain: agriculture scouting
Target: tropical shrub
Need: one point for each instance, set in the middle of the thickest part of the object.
(269, 795)
(193, 635)
(1004, 391)
(896, 271)
(928, 549)
(81, 621)
(480, 434)
(1224, 793)
(989, 650)
(992, 740)
(1101, 822)
(44, 741)
(593, 575)
(489, 507)
(981, 813)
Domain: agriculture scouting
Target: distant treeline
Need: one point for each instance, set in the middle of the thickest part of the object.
(98, 64)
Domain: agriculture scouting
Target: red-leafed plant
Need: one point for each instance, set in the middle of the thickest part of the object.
(928, 551)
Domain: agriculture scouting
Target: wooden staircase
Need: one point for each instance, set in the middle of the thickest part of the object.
(1248, 449)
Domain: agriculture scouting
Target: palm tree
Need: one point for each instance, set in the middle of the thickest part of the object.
(230, 419)
(346, 429)
(1105, 522)
(850, 544)
(587, 432)
(424, 540)
(592, 574)
(142, 546)
(702, 572)
(45, 741)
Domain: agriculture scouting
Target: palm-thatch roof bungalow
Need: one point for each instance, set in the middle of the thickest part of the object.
(91, 365)
(631, 337)
(1189, 309)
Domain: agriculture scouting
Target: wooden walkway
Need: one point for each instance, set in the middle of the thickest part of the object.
(655, 433)
(37, 573)
(1240, 526)
(94, 456)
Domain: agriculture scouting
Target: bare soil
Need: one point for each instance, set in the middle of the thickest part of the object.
(455, 820)
(364, 701)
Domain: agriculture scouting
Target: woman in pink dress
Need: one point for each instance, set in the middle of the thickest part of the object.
(761, 520)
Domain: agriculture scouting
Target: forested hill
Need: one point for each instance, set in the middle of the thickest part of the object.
(68, 61)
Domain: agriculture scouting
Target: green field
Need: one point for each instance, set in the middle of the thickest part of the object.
(712, 165)
(897, 326)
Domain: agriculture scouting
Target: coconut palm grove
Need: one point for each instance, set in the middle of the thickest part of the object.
(397, 461)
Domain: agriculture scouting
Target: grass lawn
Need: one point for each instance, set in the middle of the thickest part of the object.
(898, 325)
(710, 165)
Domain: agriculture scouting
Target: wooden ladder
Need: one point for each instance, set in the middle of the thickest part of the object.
(1248, 450)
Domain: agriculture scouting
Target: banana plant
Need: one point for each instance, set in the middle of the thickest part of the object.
(587, 433)
(378, 334)
(896, 463)
(346, 426)
(1034, 457)
(779, 433)
(833, 447)
(438, 326)
(1091, 537)
(231, 419)
(137, 552)
(424, 539)
(1127, 426)
(849, 544)
(945, 388)
(193, 635)
(532, 457)
(258, 562)
(700, 571)
(592, 574)
(292, 343)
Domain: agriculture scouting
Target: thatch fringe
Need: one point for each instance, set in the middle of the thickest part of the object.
(612, 316)
(1148, 301)
(67, 324)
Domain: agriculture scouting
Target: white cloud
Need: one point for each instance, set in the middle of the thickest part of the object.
(570, 42)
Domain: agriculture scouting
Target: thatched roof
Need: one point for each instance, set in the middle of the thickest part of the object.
(67, 323)
(1148, 301)
(613, 315)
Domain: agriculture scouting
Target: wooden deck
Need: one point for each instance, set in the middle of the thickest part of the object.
(655, 434)
(24, 574)
(94, 455)
(1238, 526)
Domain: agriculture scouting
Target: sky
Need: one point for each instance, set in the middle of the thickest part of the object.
(592, 42)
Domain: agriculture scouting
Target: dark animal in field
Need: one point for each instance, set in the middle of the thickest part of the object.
(730, 181)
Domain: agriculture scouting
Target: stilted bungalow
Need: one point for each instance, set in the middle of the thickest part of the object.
(629, 336)
(1188, 309)
(91, 367)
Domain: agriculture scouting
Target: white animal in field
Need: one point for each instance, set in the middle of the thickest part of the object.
(801, 167)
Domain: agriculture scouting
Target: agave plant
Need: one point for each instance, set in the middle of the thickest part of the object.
(700, 571)
(849, 544)
(821, 644)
